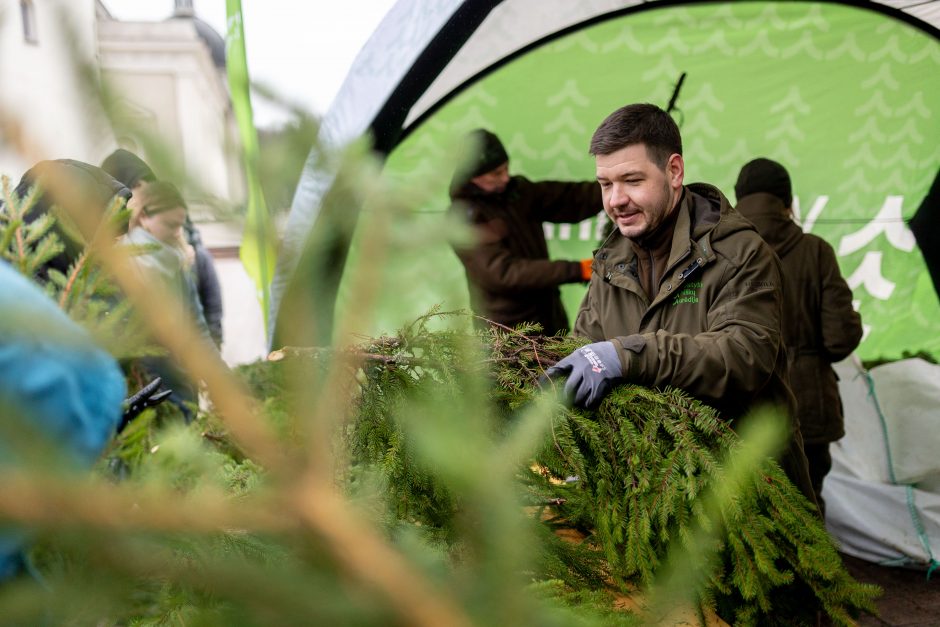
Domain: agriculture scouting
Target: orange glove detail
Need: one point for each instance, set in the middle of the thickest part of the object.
(586, 269)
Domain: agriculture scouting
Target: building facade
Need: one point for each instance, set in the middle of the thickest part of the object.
(165, 80)
(46, 110)
(169, 79)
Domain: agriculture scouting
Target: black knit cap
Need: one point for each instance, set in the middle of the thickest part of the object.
(491, 152)
(127, 167)
(764, 175)
(481, 152)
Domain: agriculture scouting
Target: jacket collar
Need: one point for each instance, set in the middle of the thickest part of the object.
(772, 220)
(704, 215)
(701, 208)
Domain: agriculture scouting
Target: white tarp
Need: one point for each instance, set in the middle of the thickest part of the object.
(882, 498)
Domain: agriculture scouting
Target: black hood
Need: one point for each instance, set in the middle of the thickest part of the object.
(772, 220)
(127, 168)
(74, 185)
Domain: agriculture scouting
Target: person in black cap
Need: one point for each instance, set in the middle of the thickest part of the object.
(128, 168)
(131, 170)
(820, 326)
(511, 279)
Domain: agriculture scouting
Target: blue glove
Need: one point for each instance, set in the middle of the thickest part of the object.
(592, 371)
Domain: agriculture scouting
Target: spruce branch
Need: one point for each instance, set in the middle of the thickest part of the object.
(77, 267)
(643, 459)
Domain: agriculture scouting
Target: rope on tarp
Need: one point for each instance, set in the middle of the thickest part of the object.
(932, 564)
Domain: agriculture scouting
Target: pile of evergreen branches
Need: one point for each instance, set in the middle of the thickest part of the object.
(640, 470)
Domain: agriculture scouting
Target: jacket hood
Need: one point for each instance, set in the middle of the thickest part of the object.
(127, 168)
(75, 179)
(711, 212)
(77, 188)
(769, 216)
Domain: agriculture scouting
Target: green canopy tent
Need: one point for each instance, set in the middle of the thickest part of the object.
(845, 95)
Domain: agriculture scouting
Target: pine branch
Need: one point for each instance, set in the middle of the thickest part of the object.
(77, 267)
(643, 459)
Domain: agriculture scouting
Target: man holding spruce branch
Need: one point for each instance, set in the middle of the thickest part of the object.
(684, 292)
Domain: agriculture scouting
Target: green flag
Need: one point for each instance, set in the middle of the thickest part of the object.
(259, 245)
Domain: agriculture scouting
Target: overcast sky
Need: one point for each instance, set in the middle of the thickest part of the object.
(302, 49)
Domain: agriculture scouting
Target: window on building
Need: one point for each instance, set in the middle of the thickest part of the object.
(28, 12)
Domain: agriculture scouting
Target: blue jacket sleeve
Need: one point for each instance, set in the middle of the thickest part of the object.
(55, 383)
(52, 374)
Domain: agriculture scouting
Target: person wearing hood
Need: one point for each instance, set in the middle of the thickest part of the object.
(684, 292)
(79, 195)
(511, 278)
(820, 326)
(134, 172)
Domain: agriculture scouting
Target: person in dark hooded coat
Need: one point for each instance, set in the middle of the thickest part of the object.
(82, 192)
(820, 326)
(511, 278)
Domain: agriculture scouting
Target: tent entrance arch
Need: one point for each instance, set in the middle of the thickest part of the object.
(836, 92)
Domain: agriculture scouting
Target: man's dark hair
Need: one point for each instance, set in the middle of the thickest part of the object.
(639, 124)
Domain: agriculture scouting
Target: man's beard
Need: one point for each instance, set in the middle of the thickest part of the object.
(663, 211)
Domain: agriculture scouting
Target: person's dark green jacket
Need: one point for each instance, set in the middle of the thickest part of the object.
(820, 326)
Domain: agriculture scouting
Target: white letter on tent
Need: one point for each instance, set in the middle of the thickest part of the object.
(584, 229)
(888, 220)
(599, 225)
(869, 275)
(814, 211)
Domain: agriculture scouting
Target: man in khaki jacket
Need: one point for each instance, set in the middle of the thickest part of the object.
(820, 326)
(684, 292)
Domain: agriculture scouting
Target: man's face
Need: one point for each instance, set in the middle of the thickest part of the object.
(166, 226)
(494, 181)
(637, 194)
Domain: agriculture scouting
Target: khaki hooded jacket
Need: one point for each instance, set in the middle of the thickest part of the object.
(713, 328)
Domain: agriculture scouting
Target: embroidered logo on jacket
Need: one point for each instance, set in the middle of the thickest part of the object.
(689, 293)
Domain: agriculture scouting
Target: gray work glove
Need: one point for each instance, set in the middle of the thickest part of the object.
(592, 370)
